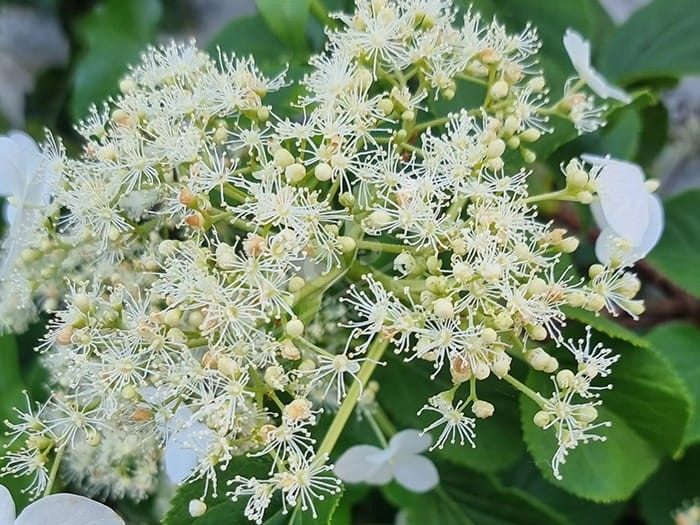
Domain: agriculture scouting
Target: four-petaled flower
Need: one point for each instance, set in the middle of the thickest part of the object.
(401, 461)
(630, 217)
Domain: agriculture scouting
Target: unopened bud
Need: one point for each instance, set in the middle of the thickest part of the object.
(197, 508)
(283, 158)
(323, 171)
(295, 172)
(482, 409)
(295, 328)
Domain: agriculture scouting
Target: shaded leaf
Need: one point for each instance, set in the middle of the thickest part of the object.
(287, 20)
(465, 497)
(672, 487)
(678, 252)
(679, 343)
(659, 40)
(114, 34)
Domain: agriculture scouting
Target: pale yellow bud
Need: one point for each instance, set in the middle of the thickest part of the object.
(482, 409)
(295, 172)
(295, 328)
(499, 89)
(541, 419)
(283, 158)
(323, 171)
(443, 308)
(197, 508)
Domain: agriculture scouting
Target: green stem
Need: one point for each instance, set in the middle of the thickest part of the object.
(313, 347)
(383, 421)
(382, 246)
(341, 417)
(377, 430)
(537, 398)
(54, 471)
(430, 124)
(563, 195)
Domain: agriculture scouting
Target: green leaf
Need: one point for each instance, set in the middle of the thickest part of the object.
(679, 343)
(287, 20)
(579, 511)
(648, 408)
(251, 36)
(678, 252)
(672, 487)
(405, 387)
(606, 325)
(114, 34)
(223, 510)
(659, 40)
(465, 497)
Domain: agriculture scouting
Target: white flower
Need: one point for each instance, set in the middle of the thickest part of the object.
(400, 461)
(186, 445)
(57, 509)
(629, 216)
(579, 51)
(21, 181)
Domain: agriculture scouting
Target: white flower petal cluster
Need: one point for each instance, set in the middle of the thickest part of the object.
(400, 461)
(629, 215)
(579, 51)
(57, 509)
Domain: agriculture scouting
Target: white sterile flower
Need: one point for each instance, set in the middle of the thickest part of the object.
(579, 51)
(629, 216)
(186, 445)
(20, 177)
(57, 509)
(23, 183)
(400, 461)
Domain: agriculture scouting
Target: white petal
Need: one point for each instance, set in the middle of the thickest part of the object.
(354, 466)
(601, 87)
(380, 475)
(12, 174)
(611, 249)
(410, 441)
(68, 509)
(654, 228)
(28, 149)
(7, 507)
(187, 441)
(416, 473)
(623, 199)
(179, 462)
(579, 51)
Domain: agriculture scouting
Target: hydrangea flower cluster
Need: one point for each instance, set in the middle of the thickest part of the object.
(205, 241)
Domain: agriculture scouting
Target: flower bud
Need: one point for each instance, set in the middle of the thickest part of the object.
(323, 171)
(499, 89)
(283, 158)
(295, 172)
(482, 409)
(295, 328)
(296, 283)
(443, 308)
(541, 419)
(197, 508)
